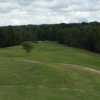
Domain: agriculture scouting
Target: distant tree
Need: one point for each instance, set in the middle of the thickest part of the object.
(34, 36)
(11, 36)
(27, 46)
(25, 35)
(3, 38)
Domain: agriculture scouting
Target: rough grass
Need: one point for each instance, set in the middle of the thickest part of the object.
(20, 80)
(54, 53)
(31, 81)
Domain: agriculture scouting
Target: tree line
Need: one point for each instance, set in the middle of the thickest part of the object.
(80, 35)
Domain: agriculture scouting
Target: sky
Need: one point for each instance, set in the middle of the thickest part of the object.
(23, 12)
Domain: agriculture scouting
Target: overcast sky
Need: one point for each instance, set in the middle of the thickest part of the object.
(22, 12)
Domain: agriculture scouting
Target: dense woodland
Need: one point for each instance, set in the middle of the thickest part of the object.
(80, 35)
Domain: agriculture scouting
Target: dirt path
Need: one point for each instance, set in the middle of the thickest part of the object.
(86, 68)
(82, 67)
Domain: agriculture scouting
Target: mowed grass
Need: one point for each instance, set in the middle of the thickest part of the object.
(54, 53)
(21, 80)
(49, 80)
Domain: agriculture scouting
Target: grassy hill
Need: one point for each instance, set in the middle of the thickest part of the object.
(54, 53)
(50, 80)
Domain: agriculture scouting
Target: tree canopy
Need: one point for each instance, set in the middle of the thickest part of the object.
(27, 46)
(80, 35)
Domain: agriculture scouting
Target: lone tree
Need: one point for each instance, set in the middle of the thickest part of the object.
(27, 46)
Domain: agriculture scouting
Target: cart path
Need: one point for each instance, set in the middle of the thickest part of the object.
(82, 67)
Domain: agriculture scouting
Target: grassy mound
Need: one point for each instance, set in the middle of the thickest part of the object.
(54, 53)
(20, 80)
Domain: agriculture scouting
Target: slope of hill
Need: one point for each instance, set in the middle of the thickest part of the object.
(50, 52)
(50, 80)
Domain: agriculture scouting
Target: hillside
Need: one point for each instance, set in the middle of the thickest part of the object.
(50, 79)
(51, 52)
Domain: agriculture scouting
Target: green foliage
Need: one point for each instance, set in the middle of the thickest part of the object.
(27, 46)
(3, 38)
(80, 35)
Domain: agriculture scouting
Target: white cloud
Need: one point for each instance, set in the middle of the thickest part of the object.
(17, 12)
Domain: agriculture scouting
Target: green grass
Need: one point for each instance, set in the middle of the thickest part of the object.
(20, 80)
(54, 53)
(32, 81)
